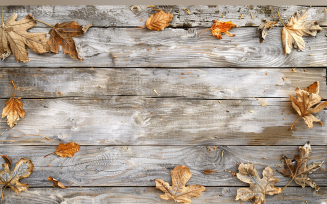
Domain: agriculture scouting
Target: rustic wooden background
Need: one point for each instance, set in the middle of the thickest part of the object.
(141, 114)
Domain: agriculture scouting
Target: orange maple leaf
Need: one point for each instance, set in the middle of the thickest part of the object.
(219, 27)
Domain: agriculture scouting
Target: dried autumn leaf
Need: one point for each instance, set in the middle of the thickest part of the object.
(299, 171)
(13, 110)
(297, 27)
(219, 27)
(23, 169)
(264, 28)
(304, 103)
(258, 187)
(158, 21)
(66, 150)
(178, 192)
(14, 34)
(56, 183)
(6, 159)
(62, 34)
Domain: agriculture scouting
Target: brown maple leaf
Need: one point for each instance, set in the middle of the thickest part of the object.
(264, 28)
(57, 183)
(304, 103)
(299, 171)
(23, 169)
(14, 37)
(13, 110)
(66, 150)
(259, 188)
(219, 27)
(297, 27)
(62, 34)
(178, 192)
(158, 21)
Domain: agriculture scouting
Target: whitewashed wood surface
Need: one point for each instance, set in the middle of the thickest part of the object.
(168, 98)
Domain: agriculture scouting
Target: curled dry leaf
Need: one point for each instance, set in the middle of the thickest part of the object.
(219, 27)
(66, 150)
(23, 169)
(178, 192)
(158, 21)
(259, 188)
(299, 171)
(264, 28)
(13, 110)
(14, 37)
(304, 103)
(56, 183)
(297, 27)
(62, 34)
(7, 160)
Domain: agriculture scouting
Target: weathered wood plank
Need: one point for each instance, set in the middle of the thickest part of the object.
(120, 120)
(140, 165)
(150, 195)
(136, 47)
(200, 15)
(187, 82)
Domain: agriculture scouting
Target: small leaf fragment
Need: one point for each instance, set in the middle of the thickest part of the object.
(158, 21)
(66, 150)
(7, 160)
(208, 171)
(56, 183)
(219, 27)
(264, 28)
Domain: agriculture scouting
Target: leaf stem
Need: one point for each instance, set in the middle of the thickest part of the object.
(280, 19)
(2, 15)
(288, 183)
(44, 23)
(295, 122)
(14, 88)
(3, 192)
(49, 154)
(204, 30)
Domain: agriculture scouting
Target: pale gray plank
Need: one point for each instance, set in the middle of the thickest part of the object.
(124, 120)
(140, 165)
(180, 48)
(203, 83)
(150, 195)
(201, 15)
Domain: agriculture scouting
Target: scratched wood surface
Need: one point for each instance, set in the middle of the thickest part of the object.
(178, 47)
(167, 98)
(140, 165)
(199, 83)
(150, 195)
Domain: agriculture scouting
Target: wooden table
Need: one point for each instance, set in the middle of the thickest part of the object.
(168, 98)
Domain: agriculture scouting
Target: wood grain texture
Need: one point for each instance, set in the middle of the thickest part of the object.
(200, 15)
(135, 47)
(140, 165)
(125, 120)
(150, 195)
(203, 83)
